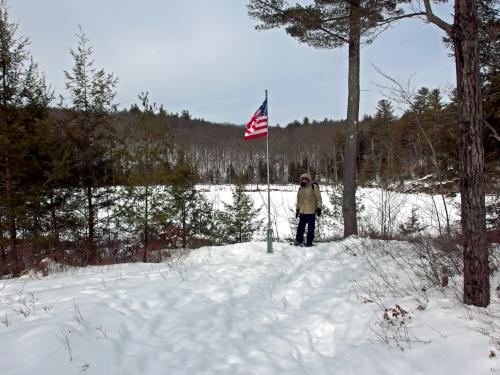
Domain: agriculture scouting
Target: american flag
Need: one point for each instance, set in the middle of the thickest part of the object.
(257, 126)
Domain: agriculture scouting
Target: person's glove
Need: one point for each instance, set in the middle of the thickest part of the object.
(297, 213)
(318, 212)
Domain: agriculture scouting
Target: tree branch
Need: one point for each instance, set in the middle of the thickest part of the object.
(493, 131)
(334, 35)
(397, 18)
(266, 4)
(280, 11)
(432, 18)
(336, 18)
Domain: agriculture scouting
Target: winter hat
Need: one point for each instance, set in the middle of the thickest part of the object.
(306, 175)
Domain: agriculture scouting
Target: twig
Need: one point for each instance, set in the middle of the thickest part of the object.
(77, 314)
(63, 339)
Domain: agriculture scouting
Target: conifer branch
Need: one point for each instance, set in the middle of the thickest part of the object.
(397, 18)
(320, 28)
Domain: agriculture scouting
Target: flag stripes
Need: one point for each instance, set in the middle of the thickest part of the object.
(257, 126)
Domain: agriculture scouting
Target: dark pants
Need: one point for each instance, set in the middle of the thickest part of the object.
(310, 220)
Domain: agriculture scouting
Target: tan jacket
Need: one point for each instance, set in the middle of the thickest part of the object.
(308, 199)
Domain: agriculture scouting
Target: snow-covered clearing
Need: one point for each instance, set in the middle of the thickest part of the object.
(238, 310)
(396, 208)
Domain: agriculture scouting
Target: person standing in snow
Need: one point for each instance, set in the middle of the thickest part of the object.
(308, 206)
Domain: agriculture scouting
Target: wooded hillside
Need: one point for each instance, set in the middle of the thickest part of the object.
(423, 141)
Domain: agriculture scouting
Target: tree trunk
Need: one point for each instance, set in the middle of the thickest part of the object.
(2, 242)
(476, 268)
(55, 228)
(92, 254)
(37, 229)
(146, 227)
(184, 226)
(53, 215)
(350, 165)
(11, 217)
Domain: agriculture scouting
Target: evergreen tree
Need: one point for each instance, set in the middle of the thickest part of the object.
(24, 98)
(185, 115)
(146, 153)
(382, 147)
(187, 210)
(88, 130)
(412, 225)
(240, 217)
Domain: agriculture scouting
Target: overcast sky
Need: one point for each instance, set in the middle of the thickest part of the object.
(207, 57)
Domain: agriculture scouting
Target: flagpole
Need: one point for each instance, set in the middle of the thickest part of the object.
(269, 227)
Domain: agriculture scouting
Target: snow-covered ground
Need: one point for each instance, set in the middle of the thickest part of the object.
(238, 310)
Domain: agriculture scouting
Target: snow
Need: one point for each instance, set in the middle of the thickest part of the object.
(283, 198)
(237, 310)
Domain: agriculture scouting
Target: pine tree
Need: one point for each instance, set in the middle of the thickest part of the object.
(412, 225)
(464, 34)
(146, 152)
(383, 148)
(88, 130)
(332, 24)
(240, 217)
(24, 98)
(187, 210)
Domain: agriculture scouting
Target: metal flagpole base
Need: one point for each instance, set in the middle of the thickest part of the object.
(269, 241)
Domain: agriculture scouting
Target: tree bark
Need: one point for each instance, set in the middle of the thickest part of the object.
(335, 173)
(11, 217)
(350, 165)
(476, 267)
(92, 253)
(53, 214)
(146, 226)
(184, 225)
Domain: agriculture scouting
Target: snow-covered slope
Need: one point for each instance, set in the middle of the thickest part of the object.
(232, 310)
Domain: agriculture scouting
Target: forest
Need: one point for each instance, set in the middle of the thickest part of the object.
(392, 149)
